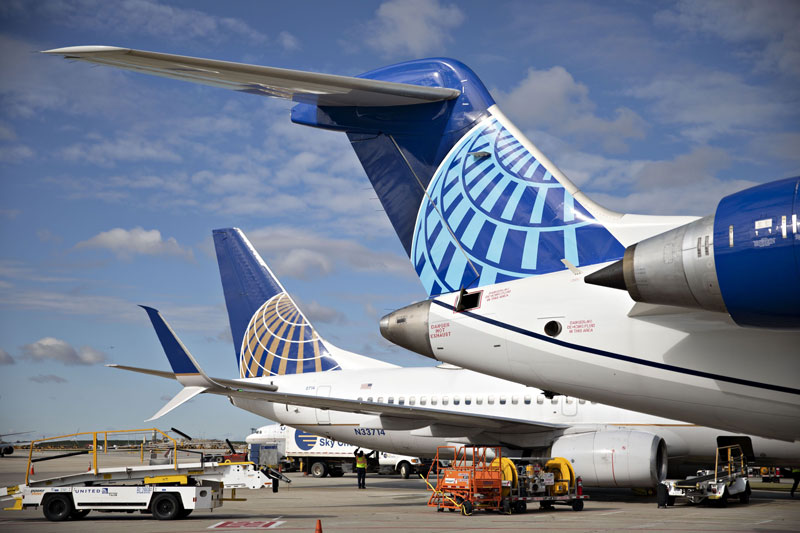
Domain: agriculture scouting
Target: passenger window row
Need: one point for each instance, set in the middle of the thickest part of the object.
(445, 400)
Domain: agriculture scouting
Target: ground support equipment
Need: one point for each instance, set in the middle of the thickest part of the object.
(727, 479)
(168, 491)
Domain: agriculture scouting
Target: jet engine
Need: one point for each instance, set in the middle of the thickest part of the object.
(744, 260)
(6, 450)
(620, 458)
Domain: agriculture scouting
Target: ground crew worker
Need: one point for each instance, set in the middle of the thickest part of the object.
(796, 477)
(361, 467)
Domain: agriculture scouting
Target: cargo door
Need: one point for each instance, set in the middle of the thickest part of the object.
(323, 415)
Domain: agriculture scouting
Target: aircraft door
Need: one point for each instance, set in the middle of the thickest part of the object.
(323, 415)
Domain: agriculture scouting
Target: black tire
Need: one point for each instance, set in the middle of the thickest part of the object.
(184, 513)
(722, 501)
(319, 469)
(404, 469)
(77, 514)
(520, 507)
(577, 505)
(505, 506)
(57, 507)
(744, 497)
(670, 501)
(165, 506)
(466, 508)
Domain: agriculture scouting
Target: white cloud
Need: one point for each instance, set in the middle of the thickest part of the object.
(47, 378)
(714, 104)
(318, 313)
(137, 17)
(767, 30)
(52, 349)
(15, 153)
(412, 27)
(552, 99)
(287, 41)
(302, 254)
(137, 241)
(127, 148)
(5, 358)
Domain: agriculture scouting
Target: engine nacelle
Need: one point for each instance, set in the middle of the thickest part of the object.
(619, 458)
(743, 260)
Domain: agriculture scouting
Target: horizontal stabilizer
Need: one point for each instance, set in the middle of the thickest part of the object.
(299, 86)
(186, 394)
(159, 373)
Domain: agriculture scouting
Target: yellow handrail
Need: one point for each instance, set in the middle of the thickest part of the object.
(94, 445)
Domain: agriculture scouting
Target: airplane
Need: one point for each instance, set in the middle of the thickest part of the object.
(289, 374)
(7, 448)
(530, 280)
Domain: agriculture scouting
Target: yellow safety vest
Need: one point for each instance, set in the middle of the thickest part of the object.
(361, 462)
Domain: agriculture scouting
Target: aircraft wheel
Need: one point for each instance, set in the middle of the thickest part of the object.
(57, 507)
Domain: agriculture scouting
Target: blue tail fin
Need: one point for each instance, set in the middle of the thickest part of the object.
(270, 334)
(472, 200)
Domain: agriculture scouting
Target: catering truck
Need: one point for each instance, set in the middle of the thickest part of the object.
(294, 449)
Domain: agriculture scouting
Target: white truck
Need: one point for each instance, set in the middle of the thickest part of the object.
(320, 456)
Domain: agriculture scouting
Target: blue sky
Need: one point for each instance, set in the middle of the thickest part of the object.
(111, 181)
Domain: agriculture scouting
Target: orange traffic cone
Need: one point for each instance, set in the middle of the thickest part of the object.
(31, 469)
(318, 529)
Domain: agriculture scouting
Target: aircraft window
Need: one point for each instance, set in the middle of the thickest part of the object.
(503, 400)
(456, 400)
(554, 400)
(568, 400)
(434, 400)
(445, 400)
(401, 401)
(581, 401)
(540, 399)
(369, 399)
(380, 399)
(490, 401)
(467, 400)
(514, 400)
(423, 400)
(412, 400)
(527, 400)
(479, 400)
(391, 399)
(360, 398)
(593, 403)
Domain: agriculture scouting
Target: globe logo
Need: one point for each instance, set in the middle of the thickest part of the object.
(509, 215)
(305, 441)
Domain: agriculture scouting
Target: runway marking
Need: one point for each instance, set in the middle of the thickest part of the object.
(612, 512)
(247, 524)
(762, 522)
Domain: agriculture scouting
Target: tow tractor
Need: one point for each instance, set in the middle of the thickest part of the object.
(729, 478)
(480, 478)
(167, 491)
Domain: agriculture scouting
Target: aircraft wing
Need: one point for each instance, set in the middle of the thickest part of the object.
(299, 86)
(421, 415)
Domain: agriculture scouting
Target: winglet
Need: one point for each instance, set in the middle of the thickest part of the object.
(186, 369)
(186, 394)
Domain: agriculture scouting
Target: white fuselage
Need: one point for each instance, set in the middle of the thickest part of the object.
(678, 363)
(459, 390)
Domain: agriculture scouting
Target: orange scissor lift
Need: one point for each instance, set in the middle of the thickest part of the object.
(468, 482)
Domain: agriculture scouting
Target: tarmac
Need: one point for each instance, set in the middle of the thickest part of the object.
(391, 503)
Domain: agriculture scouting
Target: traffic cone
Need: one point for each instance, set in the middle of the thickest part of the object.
(318, 529)
(31, 468)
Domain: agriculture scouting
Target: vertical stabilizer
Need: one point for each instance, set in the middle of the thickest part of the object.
(271, 335)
